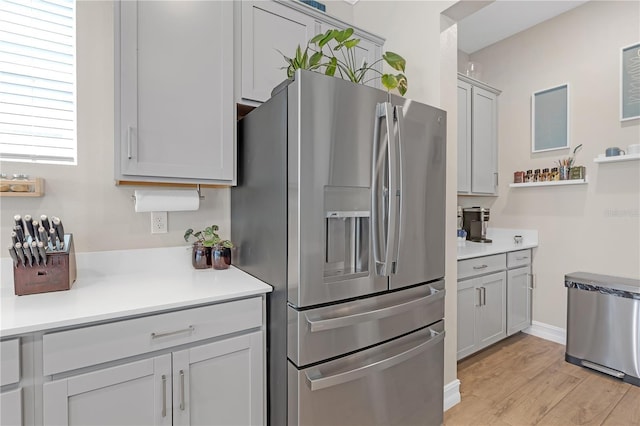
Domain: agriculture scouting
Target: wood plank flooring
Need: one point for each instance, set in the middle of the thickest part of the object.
(524, 380)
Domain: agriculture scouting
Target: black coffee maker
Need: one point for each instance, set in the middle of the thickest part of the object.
(475, 221)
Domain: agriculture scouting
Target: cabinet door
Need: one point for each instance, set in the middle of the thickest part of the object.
(484, 173)
(269, 28)
(137, 393)
(220, 383)
(518, 300)
(464, 137)
(176, 117)
(492, 318)
(468, 303)
(11, 408)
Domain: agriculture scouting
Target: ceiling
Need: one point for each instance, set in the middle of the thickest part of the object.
(504, 18)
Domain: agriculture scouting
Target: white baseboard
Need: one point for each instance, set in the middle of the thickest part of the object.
(451, 394)
(547, 332)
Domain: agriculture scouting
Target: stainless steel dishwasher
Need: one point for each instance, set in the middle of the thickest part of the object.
(603, 324)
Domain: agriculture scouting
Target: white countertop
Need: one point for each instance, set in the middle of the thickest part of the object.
(502, 242)
(119, 284)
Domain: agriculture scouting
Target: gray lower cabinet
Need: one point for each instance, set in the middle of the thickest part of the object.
(494, 299)
(519, 289)
(174, 101)
(481, 312)
(10, 377)
(477, 137)
(202, 365)
(215, 384)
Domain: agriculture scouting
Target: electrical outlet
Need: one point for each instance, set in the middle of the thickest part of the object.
(158, 222)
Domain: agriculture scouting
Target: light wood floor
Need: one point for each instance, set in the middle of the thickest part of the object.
(524, 380)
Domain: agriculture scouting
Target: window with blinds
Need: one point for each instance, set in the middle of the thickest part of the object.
(38, 81)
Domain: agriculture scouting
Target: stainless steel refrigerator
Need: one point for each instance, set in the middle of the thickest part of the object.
(340, 206)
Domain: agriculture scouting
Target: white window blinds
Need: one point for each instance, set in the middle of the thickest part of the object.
(38, 81)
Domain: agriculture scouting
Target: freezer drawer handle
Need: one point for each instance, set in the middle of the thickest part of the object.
(347, 320)
(356, 373)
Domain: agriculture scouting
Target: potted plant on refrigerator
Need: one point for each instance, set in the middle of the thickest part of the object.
(209, 249)
(340, 57)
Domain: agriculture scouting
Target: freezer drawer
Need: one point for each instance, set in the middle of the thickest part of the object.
(603, 324)
(318, 334)
(397, 383)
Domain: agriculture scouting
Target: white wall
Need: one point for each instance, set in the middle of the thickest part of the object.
(99, 214)
(413, 30)
(594, 227)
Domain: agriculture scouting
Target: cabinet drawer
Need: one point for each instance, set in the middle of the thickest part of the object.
(9, 362)
(83, 347)
(518, 258)
(481, 265)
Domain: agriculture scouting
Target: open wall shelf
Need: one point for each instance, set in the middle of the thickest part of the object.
(550, 183)
(617, 158)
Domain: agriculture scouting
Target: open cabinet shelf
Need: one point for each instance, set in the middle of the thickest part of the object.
(35, 187)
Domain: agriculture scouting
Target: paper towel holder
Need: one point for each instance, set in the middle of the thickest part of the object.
(200, 196)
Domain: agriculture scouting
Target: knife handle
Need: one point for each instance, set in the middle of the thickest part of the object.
(14, 256)
(42, 235)
(18, 247)
(35, 252)
(14, 237)
(27, 254)
(43, 253)
(53, 237)
(57, 224)
(18, 220)
(19, 233)
(44, 221)
(29, 225)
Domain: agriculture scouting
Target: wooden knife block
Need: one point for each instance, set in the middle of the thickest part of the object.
(58, 274)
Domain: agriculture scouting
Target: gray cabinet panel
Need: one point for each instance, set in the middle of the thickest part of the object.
(519, 299)
(174, 96)
(477, 137)
(269, 28)
(468, 301)
(492, 321)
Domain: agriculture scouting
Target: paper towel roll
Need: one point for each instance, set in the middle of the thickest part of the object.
(173, 200)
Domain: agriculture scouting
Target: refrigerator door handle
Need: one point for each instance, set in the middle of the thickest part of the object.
(318, 383)
(383, 230)
(398, 198)
(392, 194)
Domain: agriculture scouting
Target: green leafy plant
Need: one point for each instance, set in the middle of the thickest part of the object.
(208, 237)
(340, 57)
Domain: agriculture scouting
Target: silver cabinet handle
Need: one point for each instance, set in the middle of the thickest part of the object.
(496, 175)
(164, 396)
(318, 383)
(189, 329)
(531, 286)
(347, 320)
(522, 258)
(480, 267)
(479, 296)
(182, 390)
(484, 296)
(129, 130)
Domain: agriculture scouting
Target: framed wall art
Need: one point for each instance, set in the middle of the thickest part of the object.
(630, 82)
(550, 119)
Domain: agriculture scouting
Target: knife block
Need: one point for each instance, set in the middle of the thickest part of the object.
(58, 274)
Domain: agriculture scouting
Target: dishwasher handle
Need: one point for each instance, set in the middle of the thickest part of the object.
(362, 371)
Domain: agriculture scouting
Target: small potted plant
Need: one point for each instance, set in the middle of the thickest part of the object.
(209, 249)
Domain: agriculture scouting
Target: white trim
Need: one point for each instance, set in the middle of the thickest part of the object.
(451, 394)
(547, 332)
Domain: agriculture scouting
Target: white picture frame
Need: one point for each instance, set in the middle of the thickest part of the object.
(630, 82)
(550, 119)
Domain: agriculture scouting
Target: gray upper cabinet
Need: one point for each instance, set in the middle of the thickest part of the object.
(477, 137)
(270, 27)
(174, 92)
